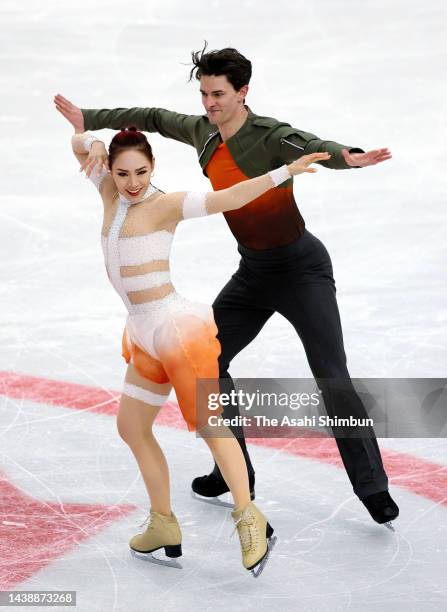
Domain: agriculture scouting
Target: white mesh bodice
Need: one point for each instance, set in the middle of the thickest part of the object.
(135, 251)
(138, 250)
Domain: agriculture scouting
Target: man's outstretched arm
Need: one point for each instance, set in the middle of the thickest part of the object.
(167, 123)
(342, 156)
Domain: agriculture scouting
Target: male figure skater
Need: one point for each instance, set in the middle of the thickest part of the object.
(283, 268)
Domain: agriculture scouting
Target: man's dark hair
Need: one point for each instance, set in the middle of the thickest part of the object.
(228, 62)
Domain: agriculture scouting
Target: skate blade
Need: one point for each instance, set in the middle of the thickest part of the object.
(149, 558)
(256, 571)
(214, 501)
(389, 526)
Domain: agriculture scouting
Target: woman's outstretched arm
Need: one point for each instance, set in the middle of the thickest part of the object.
(185, 205)
(246, 191)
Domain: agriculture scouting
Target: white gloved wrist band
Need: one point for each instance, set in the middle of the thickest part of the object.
(88, 140)
(280, 175)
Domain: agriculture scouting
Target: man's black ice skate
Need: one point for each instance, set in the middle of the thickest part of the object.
(382, 508)
(208, 489)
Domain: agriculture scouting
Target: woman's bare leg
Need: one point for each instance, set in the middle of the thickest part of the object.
(189, 351)
(229, 457)
(134, 422)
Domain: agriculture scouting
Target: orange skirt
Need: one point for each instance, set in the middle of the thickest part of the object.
(188, 351)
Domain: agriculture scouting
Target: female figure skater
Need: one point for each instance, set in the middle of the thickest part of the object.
(169, 340)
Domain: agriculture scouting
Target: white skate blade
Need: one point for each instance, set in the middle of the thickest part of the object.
(214, 501)
(256, 571)
(149, 558)
(389, 526)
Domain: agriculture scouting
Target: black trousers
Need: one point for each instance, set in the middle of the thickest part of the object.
(297, 282)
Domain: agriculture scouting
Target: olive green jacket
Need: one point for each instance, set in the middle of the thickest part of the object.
(260, 145)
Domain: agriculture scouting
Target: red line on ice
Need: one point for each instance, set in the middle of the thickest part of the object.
(34, 533)
(417, 475)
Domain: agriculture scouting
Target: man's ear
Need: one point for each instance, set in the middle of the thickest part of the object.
(243, 91)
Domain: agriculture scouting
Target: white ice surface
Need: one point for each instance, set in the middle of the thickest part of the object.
(364, 73)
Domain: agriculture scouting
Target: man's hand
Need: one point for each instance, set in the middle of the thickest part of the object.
(71, 112)
(366, 159)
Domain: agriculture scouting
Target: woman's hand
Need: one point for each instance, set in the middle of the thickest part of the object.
(302, 164)
(96, 158)
(72, 113)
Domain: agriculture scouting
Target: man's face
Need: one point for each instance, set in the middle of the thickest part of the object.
(221, 101)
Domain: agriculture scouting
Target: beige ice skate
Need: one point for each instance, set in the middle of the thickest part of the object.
(255, 535)
(162, 532)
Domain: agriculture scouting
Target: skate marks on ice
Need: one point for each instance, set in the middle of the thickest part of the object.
(36, 533)
(345, 540)
(329, 552)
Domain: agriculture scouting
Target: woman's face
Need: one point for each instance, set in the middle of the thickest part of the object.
(131, 172)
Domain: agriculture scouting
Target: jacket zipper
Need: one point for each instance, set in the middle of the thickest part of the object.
(206, 143)
(292, 144)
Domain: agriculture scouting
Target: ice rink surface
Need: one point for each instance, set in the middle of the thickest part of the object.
(366, 74)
